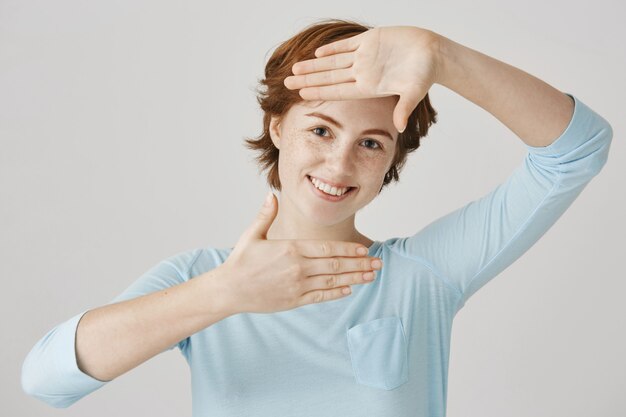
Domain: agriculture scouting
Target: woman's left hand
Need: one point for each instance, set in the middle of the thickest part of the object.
(384, 61)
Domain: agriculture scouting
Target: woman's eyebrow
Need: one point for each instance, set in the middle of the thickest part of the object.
(340, 126)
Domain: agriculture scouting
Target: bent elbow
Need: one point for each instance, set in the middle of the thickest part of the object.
(35, 384)
(50, 372)
(605, 137)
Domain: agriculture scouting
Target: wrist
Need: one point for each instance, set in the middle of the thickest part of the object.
(220, 299)
(448, 68)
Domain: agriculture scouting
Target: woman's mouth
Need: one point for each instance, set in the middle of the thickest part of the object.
(330, 197)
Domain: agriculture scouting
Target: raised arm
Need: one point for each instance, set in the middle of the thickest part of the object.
(534, 110)
(567, 142)
(472, 244)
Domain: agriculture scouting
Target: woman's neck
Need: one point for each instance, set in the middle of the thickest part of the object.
(286, 226)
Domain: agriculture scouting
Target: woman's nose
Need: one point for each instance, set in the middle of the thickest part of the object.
(340, 158)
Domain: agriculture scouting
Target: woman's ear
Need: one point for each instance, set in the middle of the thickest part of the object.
(275, 131)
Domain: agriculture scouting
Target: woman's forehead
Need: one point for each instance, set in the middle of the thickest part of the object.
(374, 102)
(379, 109)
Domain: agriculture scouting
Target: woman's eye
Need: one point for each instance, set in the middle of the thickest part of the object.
(374, 147)
(319, 128)
(374, 142)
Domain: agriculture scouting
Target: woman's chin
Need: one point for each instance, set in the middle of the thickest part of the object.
(324, 216)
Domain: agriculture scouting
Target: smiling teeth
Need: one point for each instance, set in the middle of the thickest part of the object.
(327, 188)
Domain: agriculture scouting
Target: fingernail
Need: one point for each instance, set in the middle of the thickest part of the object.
(376, 264)
(268, 199)
(361, 251)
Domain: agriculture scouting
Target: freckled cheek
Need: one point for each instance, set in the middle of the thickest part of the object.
(376, 165)
(303, 149)
(295, 158)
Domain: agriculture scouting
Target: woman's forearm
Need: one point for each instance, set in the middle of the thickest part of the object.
(115, 338)
(535, 111)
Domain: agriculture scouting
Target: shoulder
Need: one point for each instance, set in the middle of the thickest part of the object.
(199, 260)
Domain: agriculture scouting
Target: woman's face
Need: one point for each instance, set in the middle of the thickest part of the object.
(356, 151)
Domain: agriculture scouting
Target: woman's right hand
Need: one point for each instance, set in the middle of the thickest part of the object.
(266, 276)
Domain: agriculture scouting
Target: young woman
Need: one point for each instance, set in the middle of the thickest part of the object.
(344, 106)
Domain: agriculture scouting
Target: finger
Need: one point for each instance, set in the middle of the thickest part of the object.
(315, 248)
(343, 45)
(264, 219)
(401, 114)
(337, 265)
(404, 107)
(323, 64)
(319, 78)
(343, 91)
(327, 282)
(320, 296)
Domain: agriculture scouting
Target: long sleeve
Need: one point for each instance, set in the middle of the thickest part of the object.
(471, 245)
(50, 372)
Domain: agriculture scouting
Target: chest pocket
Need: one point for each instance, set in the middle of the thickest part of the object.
(378, 352)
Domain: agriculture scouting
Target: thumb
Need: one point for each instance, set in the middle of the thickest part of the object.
(265, 218)
(402, 111)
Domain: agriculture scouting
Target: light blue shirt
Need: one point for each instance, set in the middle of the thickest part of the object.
(381, 351)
